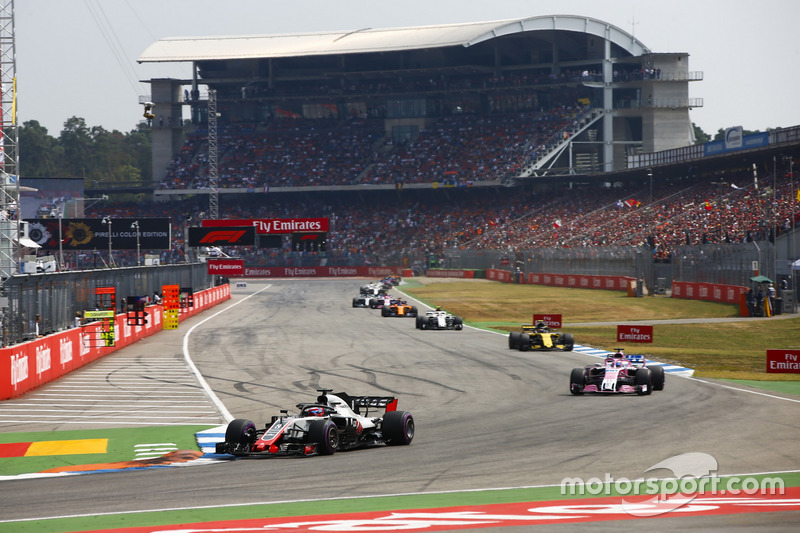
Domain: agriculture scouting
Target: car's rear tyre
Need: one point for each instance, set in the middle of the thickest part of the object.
(398, 428)
(458, 323)
(513, 340)
(524, 342)
(658, 376)
(577, 380)
(568, 341)
(412, 311)
(644, 380)
(241, 432)
(326, 436)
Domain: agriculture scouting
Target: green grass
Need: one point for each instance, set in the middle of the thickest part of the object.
(729, 350)
(121, 442)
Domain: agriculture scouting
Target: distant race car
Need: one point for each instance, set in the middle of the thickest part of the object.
(391, 281)
(539, 337)
(373, 289)
(439, 320)
(362, 301)
(368, 294)
(380, 301)
(335, 422)
(398, 308)
(619, 373)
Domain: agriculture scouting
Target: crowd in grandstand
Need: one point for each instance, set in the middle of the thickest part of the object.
(459, 151)
(408, 228)
(287, 152)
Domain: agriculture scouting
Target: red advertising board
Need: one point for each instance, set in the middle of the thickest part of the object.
(271, 226)
(226, 267)
(443, 273)
(499, 275)
(783, 361)
(319, 272)
(550, 320)
(634, 333)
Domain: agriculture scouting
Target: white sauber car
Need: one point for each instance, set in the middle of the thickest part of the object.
(439, 319)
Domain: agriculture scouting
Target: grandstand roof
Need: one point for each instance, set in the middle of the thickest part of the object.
(367, 40)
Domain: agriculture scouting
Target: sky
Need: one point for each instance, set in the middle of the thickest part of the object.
(77, 58)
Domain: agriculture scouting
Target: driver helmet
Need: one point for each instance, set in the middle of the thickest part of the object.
(618, 363)
(315, 411)
(540, 326)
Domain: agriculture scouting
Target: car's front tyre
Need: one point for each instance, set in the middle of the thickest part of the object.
(577, 381)
(241, 433)
(644, 381)
(325, 435)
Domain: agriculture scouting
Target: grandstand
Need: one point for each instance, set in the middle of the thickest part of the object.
(556, 132)
(529, 97)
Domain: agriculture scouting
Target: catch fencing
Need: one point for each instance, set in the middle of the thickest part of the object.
(729, 264)
(58, 297)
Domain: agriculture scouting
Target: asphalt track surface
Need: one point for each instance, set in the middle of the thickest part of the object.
(486, 416)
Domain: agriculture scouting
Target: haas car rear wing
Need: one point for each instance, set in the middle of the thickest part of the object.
(356, 403)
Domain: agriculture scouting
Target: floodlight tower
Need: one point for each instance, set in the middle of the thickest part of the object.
(213, 115)
(10, 215)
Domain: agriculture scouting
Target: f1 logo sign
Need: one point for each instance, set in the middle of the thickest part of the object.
(228, 237)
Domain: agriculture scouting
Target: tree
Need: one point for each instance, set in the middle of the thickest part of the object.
(95, 154)
(700, 136)
(76, 141)
(40, 154)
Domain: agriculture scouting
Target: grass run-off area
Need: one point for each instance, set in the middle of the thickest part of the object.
(726, 350)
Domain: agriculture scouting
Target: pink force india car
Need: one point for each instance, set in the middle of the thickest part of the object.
(618, 373)
(333, 423)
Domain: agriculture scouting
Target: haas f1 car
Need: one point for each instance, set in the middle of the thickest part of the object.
(333, 423)
(439, 320)
(539, 337)
(619, 373)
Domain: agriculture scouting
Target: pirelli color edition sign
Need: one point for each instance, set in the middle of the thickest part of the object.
(271, 226)
(93, 234)
(783, 361)
(226, 267)
(634, 333)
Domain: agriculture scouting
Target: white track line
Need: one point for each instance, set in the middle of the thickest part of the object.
(203, 383)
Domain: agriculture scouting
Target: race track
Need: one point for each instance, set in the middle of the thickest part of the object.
(486, 417)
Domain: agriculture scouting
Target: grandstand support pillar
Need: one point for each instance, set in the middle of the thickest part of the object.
(213, 196)
(608, 106)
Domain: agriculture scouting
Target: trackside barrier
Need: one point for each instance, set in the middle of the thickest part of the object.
(495, 274)
(712, 292)
(28, 365)
(450, 273)
(319, 272)
(579, 281)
